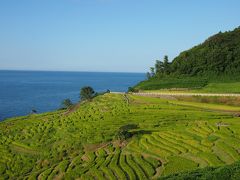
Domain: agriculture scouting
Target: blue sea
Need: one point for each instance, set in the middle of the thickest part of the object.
(22, 91)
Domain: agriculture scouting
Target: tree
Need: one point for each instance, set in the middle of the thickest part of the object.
(159, 68)
(152, 71)
(87, 93)
(132, 89)
(67, 103)
(123, 132)
(166, 65)
(148, 75)
(33, 111)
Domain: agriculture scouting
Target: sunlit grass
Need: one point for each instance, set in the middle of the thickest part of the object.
(173, 136)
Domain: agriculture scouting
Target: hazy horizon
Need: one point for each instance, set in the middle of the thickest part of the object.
(71, 71)
(106, 35)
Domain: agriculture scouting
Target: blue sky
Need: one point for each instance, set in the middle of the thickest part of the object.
(106, 35)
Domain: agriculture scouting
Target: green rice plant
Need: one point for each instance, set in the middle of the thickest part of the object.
(228, 149)
(222, 135)
(194, 131)
(140, 174)
(191, 143)
(178, 164)
(97, 174)
(178, 135)
(227, 130)
(197, 145)
(115, 167)
(160, 146)
(207, 128)
(133, 146)
(33, 176)
(45, 174)
(53, 174)
(62, 166)
(99, 161)
(212, 138)
(225, 172)
(91, 156)
(101, 152)
(166, 144)
(60, 142)
(230, 139)
(206, 142)
(222, 154)
(108, 173)
(86, 167)
(183, 142)
(212, 159)
(151, 149)
(87, 177)
(193, 157)
(145, 166)
(201, 130)
(153, 162)
(128, 170)
(173, 143)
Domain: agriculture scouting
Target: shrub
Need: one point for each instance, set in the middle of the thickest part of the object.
(131, 89)
(67, 103)
(123, 132)
(87, 93)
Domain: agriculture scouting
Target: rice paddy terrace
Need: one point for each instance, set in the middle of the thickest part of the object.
(172, 137)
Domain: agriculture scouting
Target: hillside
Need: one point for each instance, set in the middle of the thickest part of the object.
(219, 55)
(169, 137)
(229, 172)
(217, 60)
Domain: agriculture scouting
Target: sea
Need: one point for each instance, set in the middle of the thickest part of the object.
(23, 91)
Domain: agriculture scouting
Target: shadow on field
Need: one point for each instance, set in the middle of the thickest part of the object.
(140, 132)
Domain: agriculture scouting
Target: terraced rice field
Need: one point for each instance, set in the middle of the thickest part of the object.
(172, 137)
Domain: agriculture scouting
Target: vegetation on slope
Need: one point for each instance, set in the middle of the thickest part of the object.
(217, 60)
(218, 55)
(172, 83)
(168, 137)
(229, 172)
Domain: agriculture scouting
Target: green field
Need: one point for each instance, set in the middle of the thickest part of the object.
(169, 83)
(190, 84)
(172, 137)
(231, 87)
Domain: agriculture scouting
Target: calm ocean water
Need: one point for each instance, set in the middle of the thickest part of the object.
(22, 91)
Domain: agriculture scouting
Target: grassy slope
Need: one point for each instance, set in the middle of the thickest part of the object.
(231, 87)
(168, 83)
(212, 66)
(173, 136)
(189, 85)
(223, 173)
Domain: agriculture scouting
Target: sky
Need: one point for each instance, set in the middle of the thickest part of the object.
(106, 35)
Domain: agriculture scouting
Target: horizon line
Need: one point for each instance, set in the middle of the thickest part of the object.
(71, 71)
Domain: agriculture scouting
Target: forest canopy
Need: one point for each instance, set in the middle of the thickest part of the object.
(219, 55)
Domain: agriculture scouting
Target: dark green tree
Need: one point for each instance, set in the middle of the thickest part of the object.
(166, 65)
(87, 93)
(159, 68)
(148, 75)
(152, 71)
(33, 111)
(67, 103)
(123, 132)
(132, 89)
